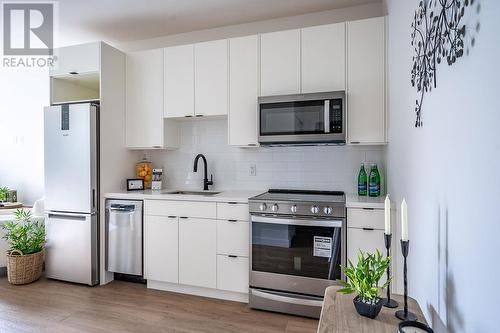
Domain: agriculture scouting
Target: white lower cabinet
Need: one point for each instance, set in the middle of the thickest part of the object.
(233, 237)
(232, 273)
(161, 260)
(197, 247)
(197, 252)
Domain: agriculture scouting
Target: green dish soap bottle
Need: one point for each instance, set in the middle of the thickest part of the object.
(362, 181)
(374, 182)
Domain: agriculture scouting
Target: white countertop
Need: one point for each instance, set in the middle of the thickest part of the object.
(224, 195)
(355, 201)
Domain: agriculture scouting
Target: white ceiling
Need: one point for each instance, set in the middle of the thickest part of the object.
(122, 21)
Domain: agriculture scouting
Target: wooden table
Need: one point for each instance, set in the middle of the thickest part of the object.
(10, 205)
(339, 315)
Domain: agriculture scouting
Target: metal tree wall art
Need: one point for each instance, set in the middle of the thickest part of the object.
(438, 34)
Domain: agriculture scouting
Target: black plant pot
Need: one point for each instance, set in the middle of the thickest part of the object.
(368, 310)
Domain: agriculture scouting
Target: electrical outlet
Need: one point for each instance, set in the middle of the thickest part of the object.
(253, 170)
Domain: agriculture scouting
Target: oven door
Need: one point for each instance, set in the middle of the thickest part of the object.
(301, 119)
(297, 255)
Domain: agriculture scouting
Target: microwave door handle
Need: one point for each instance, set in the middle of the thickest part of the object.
(327, 116)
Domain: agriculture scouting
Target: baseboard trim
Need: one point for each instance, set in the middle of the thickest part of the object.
(199, 291)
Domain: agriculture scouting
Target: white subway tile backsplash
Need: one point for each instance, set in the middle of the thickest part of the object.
(316, 167)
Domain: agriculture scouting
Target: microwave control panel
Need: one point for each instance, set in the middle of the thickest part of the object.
(336, 116)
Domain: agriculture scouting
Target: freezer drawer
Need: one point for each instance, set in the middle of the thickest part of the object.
(72, 247)
(124, 237)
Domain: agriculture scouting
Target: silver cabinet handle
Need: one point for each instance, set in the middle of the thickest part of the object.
(232, 220)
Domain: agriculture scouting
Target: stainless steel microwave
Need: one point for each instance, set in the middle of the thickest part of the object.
(302, 119)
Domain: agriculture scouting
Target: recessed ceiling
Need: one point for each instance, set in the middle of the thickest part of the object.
(128, 20)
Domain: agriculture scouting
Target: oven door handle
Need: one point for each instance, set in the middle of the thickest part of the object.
(286, 299)
(303, 222)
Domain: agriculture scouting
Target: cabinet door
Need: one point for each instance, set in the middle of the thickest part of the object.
(323, 58)
(280, 63)
(197, 252)
(211, 78)
(161, 261)
(179, 81)
(243, 90)
(232, 273)
(82, 58)
(144, 99)
(366, 81)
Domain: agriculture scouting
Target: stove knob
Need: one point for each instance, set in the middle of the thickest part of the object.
(263, 206)
(293, 209)
(315, 209)
(327, 210)
(275, 208)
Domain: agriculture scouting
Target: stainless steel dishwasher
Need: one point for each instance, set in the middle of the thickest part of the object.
(124, 237)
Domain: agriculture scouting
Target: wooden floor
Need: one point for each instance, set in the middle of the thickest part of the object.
(52, 306)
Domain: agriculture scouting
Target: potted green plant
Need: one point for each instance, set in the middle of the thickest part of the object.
(363, 279)
(26, 238)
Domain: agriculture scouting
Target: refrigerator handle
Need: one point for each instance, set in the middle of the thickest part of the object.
(93, 198)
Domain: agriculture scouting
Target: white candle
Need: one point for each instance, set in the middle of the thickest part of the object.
(409, 329)
(404, 220)
(387, 207)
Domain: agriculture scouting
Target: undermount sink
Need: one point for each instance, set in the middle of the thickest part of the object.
(193, 192)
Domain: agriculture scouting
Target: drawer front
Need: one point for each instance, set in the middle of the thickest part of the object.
(366, 241)
(365, 218)
(232, 211)
(232, 273)
(233, 238)
(180, 208)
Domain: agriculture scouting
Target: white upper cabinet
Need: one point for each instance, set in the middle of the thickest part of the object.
(83, 58)
(280, 63)
(243, 90)
(144, 102)
(211, 78)
(179, 81)
(323, 58)
(366, 81)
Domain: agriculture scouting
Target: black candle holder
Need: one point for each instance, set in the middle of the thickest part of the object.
(405, 314)
(388, 302)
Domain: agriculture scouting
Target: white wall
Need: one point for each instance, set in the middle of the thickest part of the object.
(447, 170)
(283, 23)
(23, 94)
(325, 168)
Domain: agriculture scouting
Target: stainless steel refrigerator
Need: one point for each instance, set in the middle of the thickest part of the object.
(71, 145)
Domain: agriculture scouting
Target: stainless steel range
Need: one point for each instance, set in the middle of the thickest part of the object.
(298, 241)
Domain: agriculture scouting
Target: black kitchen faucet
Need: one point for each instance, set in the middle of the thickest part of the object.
(206, 182)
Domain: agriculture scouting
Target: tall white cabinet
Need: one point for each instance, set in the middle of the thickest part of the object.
(243, 90)
(323, 58)
(366, 81)
(280, 63)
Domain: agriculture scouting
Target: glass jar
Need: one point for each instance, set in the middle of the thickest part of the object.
(144, 170)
